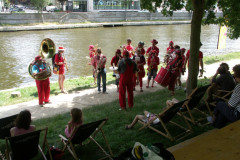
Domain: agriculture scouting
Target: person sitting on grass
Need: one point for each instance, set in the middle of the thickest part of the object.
(149, 116)
(76, 120)
(228, 111)
(23, 124)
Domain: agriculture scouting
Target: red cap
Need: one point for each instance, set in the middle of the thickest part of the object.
(171, 42)
(125, 53)
(154, 41)
(38, 58)
(91, 47)
(61, 48)
(118, 51)
(183, 49)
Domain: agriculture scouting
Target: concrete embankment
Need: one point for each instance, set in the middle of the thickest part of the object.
(87, 25)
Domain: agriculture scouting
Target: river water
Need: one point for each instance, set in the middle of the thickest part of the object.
(18, 49)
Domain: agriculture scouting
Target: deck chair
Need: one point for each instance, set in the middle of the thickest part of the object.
(166, 117)
(191, 104)
(215, 95)
(83, 133)
(5, 125)
(26, 146)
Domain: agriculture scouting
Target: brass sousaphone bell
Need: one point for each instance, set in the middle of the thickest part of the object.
(47, 50)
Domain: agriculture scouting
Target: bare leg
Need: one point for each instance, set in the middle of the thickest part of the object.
(148, 83)
(152, 82)
(137, 117)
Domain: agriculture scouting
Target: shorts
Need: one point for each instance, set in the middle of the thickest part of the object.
(151, 74)
(149, 117)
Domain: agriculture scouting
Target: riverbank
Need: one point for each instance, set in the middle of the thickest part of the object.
(50, 26)
(76, 85)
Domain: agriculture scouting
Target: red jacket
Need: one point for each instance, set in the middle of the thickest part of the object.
(155, 62)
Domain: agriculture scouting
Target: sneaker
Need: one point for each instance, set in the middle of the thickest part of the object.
(99, 92)
(210, 119)
(105, 92)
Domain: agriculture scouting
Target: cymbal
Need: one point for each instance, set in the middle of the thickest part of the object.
(113, 68)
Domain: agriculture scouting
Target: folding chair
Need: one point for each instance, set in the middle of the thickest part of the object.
(166, 117)
(84, 132)
(191, 104)
(26, 146)
(5, 125)
(218, 95)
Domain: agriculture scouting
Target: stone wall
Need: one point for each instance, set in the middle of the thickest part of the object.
(74, 17)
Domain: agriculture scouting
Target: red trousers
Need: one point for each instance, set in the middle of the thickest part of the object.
(135, 79)
(126, 83)
(43, 87)
(172, 82)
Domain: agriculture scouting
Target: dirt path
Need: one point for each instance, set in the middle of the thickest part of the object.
(85, 98)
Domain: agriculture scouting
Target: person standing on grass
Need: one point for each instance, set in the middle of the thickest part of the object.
(91, 55)
(43, 86)
(99, 62)
(60, 61)
(126, 68)
(152, 62)
(76, 120)
(140, 61)
(114, 63)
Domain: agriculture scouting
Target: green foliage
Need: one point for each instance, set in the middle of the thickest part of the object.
(230, 10)
(39, 4)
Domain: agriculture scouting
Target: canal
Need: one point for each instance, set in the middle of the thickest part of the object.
(18, 49)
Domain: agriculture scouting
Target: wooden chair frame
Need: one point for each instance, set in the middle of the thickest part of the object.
(187, 113)
(41, 149)
(70, 146)
(167, 134)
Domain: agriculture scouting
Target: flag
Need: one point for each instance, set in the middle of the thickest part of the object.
(222, 37)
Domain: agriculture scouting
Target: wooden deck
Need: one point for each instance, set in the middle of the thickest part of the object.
(218, 144)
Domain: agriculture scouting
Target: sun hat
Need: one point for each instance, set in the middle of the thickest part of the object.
(61, 48)
(91, 47)
(171, 42)
(154, 41)
(38, 58)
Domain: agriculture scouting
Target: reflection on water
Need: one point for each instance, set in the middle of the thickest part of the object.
(18, 49)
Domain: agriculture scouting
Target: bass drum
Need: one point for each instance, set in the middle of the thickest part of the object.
(44, 76)
(163, 77)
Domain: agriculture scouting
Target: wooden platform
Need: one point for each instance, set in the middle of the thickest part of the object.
(218, 144)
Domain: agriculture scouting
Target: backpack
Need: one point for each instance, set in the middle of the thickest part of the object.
(55, 67)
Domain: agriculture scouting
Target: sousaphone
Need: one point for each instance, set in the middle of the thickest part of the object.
(47, 50)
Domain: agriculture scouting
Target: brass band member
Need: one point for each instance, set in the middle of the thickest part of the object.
(153, 62)
(99, 62)
(129, 47)
(114, 63)
(43, 86)
(153, 47)
(141, 47)
(61, 62)
(140, 61)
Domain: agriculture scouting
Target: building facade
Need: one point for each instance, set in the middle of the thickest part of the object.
(103, 5)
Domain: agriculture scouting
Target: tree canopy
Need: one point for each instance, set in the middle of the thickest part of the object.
(204, 12)
(39, 4)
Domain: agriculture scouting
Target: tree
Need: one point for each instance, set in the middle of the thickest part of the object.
(230, 18)
(39, 4)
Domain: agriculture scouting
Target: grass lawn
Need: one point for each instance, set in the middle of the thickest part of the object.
(118, 137)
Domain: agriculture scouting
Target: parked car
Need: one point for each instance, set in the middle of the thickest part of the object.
(51, 8)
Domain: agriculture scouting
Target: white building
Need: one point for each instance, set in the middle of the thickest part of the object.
(1, 5)
(102, 5)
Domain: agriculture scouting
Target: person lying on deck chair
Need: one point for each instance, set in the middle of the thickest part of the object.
(149, 116)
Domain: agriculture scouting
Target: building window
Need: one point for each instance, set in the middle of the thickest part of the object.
(116, 4)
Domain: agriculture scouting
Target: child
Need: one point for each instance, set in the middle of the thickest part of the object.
(76, 120)
(22, 123)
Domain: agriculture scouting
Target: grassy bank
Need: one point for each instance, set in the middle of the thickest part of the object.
(118, 137)
(78, 84)
(219, 58)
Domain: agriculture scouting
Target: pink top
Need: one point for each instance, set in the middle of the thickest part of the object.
(16, 131)
(99, 60)
(67, 133)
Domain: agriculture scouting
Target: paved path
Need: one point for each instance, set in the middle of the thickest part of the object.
(85, 98)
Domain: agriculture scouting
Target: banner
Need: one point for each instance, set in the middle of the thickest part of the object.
(222, 37)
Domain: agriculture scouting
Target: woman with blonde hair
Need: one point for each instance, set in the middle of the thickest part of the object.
(76, 120)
